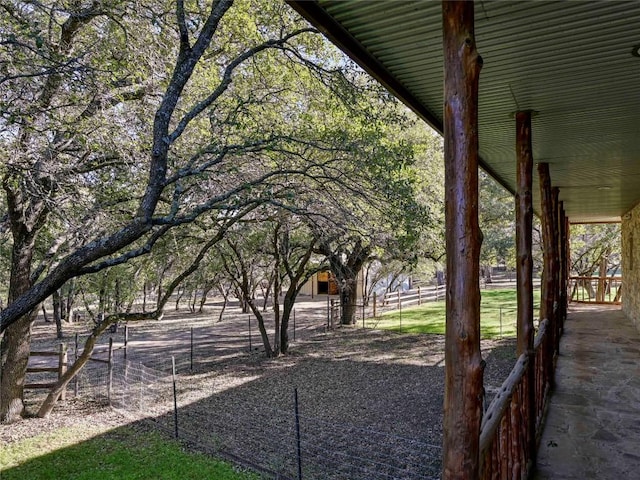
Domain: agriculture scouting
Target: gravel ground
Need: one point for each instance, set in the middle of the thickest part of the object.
(348, 380)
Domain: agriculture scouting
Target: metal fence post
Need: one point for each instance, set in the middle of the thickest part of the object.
(294, 324)
(191, 352)
(126, 340)
(298, 449)
(328, 312)
(110, 371)
(331, 309)
(75, 359)
(250, 334)
(175, 396)
(141, 389)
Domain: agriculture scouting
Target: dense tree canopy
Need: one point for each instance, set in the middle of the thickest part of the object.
(595, 249)
(129, 126)
(497, 222)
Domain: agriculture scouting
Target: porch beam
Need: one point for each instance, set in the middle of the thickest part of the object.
(463, 361)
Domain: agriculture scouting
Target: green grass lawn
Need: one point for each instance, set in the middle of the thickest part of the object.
(497, 316)
(121, 454)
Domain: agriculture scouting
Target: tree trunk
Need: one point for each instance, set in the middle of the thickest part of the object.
(57, 308)
(276, 314)
(15, 347)
(179, 297)
(118, 296)
(367, 287)
(16, 342)
(145, 288)
(102, 295)
(289, 301)
(225, 295)
(348, 300)
(463, 360)
(203, 298)
(45, 315)
(62, 309)
(70, 295)
(269, 352)
(193, 299)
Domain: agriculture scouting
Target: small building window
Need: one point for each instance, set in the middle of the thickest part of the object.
(327, 284)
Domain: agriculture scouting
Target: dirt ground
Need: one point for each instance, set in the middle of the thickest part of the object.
(347, 379)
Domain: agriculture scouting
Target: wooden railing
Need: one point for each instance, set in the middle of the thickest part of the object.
(541, 374)
(596, 289)
(505, 435)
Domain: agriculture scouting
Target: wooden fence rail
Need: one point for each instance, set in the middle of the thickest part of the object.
(415, 296)
(505, 450)
(596, 289)
(399, 300)
(63, 363)
(59, 369)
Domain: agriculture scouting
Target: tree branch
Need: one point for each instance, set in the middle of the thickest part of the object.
(227, 78)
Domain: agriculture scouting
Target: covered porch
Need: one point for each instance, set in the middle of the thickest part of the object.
(592, 428)
(542, 96)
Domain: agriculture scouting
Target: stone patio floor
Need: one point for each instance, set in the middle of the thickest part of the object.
(592, 429)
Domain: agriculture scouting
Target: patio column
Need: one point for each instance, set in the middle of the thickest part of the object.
(563, 271)
(524, 268)
(557, 311)
(463, 361)
(567, 259)
(524, 222)
(549, 260)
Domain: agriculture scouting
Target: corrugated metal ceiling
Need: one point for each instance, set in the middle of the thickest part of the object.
(569, 61)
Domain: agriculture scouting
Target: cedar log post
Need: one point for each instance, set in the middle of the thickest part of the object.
(567, 247)
(524, 222)
(555, 206)
(546, 302)
(463, 361)
(563, 275)
(524, 271)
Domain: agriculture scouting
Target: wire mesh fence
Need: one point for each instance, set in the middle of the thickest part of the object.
(273, 437)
